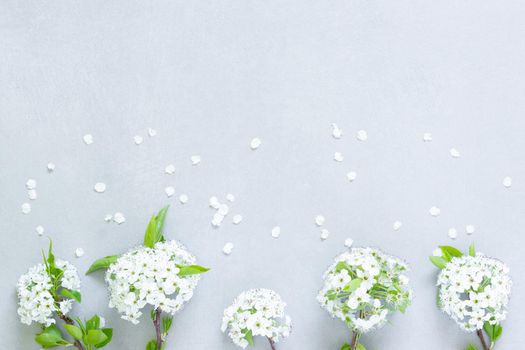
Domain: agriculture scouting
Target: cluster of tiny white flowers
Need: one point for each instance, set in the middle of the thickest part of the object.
(258, 312)
(35, 299)
(474, 290)
(363, 286)
(150, 276)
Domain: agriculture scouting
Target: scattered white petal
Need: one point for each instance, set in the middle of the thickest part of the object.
(397, 225)
(237, 219)
(452, 233)
(437, 252)
(119, 218)
(362, 135)
(228, 248)
(31, 184)
(170, 169)
(152, 132)
(255, 143)
(170, 191)
(434, 211)
(39, 230)
(195, 160)
(427, 137)
(351, 176)
(276, 232)
(324, 234)
(223, 209)
(100, 187)
(349, 242)
(79, 252)
(32, 194)
(217, 219)
(455, 153)
(51, 167)
(319, 220)
(507, 181)
(470, 229)
(108, 217)
(88, 139)
(336, 131)
(338, 157)
(214, 202)
(183, 198)
(26, 208)
(230, 197)
(138, 139)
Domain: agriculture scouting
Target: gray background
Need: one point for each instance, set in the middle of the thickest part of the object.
(210, 76)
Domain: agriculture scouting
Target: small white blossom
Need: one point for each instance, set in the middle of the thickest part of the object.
(507, 181)
(170, 191)
(31, 194)
(434, 211)
(427, 137)
(397, 225)
(365, 279)
(35, 300)
(349, 242)
(255, 143)
(474, 290)
(170, 169)
(31, 184)
(256, 312)
(119, 218)
(39, 230)
(276, 232)
(336, 131)
(228, 248)
(319, 220)
(338, 157)
(100, 187)
(195, 159)
(26, 208)
(152, 132)
(230, 198)
(351, 176)
(470, 229)
(88, 139)
(452, 233)
(146, 276)
(183, 198)
(237, 219)
(138, 139)
(79, 252)
(455, 153)
(324, 234)
(51, 167)
(362, 135)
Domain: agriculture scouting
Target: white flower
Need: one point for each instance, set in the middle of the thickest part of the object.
(363, 286)
(474, 290)
(256, 312)
(146, 276)
(35, 300)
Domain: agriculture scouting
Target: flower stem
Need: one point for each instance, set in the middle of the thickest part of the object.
(69, 321)
(158, 331)
(354, 340)
(482, 339)
(272, 344)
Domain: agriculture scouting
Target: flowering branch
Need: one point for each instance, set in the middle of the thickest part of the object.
(482, 339)
(272, 344)
(156, 323)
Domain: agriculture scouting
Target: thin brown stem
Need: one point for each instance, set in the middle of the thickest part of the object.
(353, 341)
(272, 344)
(482, 339)
(69, 321)
(158, 331)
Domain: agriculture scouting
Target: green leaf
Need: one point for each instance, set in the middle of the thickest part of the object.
(109, 335)
(74, 331)
(160, 217)
(50, 256)
(71, 294)
(93, 323)
(472, 250)
(102, 263)
(50, 337)
(249, 337)
(354, 284)
(471, 347)
(152, 235)
(438, 261)
(152, 345)
(96, 336)
(493, 331)
(191, 270)
(166, 323)
(451, 251)
(360, 347)
(345, 347)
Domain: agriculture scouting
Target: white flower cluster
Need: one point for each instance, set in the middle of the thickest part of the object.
(150, 276)
(474, 290)
(35, 299)
(256, 312)
(363, 286)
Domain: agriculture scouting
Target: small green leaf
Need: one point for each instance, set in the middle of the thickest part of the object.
(438, 261)
(249, 337)
(71, 294)
(73, 331)
(160, 218)
(345, 347)
(102, 263)
(448, 250)
(96, 336)
(191, 270)
(109, 335)
(360, 347)
(50, 337)
(472, 250)
(50, 256)
(493, 331)
(93, 323)
(471, 347)
(166, 323)
(152, 235)
(354, 284)
(152, 345)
